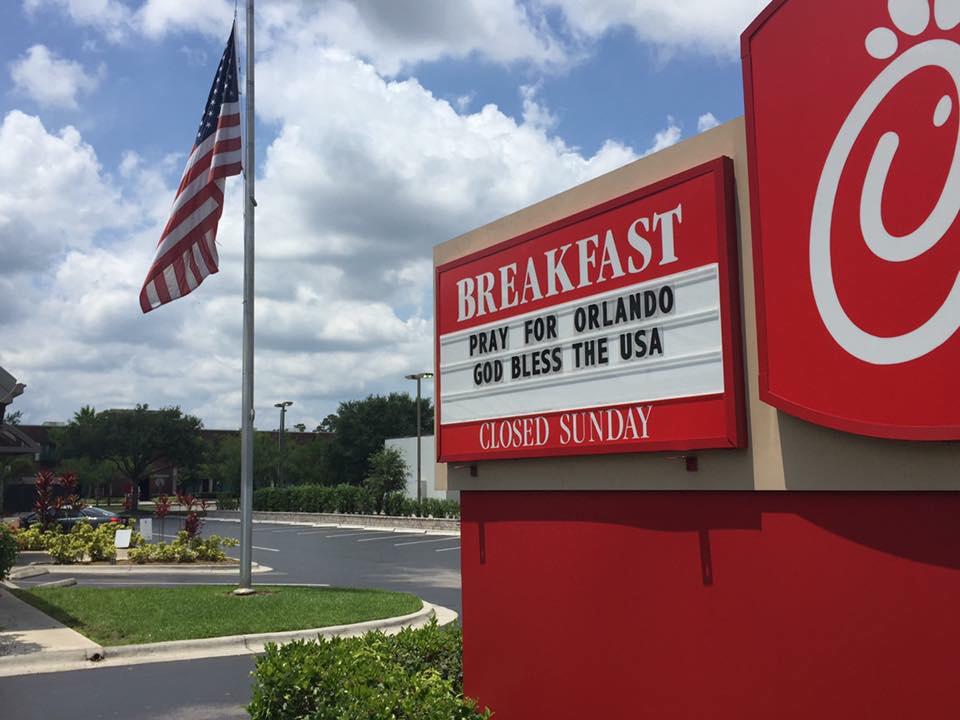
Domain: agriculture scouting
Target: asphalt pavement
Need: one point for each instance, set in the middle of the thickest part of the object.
(219, 688)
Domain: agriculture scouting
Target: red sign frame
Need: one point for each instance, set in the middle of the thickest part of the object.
(699, 422)
(798, 103)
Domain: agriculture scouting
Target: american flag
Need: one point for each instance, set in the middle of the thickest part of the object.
(187, 250)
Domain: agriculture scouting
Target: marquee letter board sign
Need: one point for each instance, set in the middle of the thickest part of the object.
(614, 330)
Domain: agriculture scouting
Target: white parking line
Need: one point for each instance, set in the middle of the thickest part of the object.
(203, 582)
(288, 530)
(392, 536)
(349, 534)
(312, 532)
(447, 549)
(455, 538)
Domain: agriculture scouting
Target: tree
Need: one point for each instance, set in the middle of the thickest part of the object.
(135, 441)
(327, 424)
(361, 426)
(14, 418)
(388, 474)
(307, 462)
(95, 476)
(300, 427)
(223, 462)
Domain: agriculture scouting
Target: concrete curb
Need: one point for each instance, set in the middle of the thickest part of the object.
(146, 569)
(33, 663)
(66, 582)
(346, 521)
(220, 646)
(241, 644)
(27, 572)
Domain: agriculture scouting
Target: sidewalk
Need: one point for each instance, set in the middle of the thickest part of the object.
(29, 636)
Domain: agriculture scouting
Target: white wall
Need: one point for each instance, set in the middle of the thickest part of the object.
(428, 456)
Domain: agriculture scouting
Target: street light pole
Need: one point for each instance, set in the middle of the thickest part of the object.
(419, 377)
(283, 414)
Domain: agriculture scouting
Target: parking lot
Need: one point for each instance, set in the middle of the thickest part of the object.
(425, 564)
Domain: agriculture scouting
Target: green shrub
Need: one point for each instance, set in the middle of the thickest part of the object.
(227, 501)
(100, 542)
(350, 499)
(346, 498)
(415, 675)
(184, 550)
(8, 550)
(83, 542)
(34, 538)
(210, 549)
(394, 504)
(66, 548)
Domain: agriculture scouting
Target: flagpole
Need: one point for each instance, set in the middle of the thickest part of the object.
(246, 432)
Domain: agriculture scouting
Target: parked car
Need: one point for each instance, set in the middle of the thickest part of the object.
(66, 518)
(99, 516)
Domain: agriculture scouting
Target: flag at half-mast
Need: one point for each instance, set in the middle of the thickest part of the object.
(187, 251)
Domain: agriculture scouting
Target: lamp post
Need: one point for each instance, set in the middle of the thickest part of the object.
(283, 414)
(418, 377)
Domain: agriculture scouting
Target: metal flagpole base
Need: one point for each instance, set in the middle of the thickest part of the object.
(244, 591)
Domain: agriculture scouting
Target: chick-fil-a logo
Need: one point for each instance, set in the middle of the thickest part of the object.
(913, 18)
(853, 135)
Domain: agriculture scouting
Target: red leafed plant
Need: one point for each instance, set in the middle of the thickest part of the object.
(71, 491)
(192, 523)
(128, 496)
(161, 508)
(45, 504)
(186, 500)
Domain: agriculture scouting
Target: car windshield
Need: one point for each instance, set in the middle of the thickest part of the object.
(96, 512)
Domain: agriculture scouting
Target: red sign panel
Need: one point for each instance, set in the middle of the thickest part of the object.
(852, 115)
(614, 330)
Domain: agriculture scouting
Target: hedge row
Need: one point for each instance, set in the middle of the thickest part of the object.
(415, 675)
(349, 499)
(8, 550)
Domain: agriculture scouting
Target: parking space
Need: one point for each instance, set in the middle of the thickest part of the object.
(403, 537)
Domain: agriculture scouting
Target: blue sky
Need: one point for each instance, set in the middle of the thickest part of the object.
(382, 130)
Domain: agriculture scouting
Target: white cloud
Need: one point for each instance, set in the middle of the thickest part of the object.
(707, 121)
(670, 135)
(535, 113)
(53, 195)
(397, 35)
(52, 81)
(698, 25)
(375, 172)
(156, 18)
(112, 17)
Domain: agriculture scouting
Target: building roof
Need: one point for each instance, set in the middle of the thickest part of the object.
(14, 441)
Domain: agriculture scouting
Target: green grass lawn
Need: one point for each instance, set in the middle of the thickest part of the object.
(123, 616)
